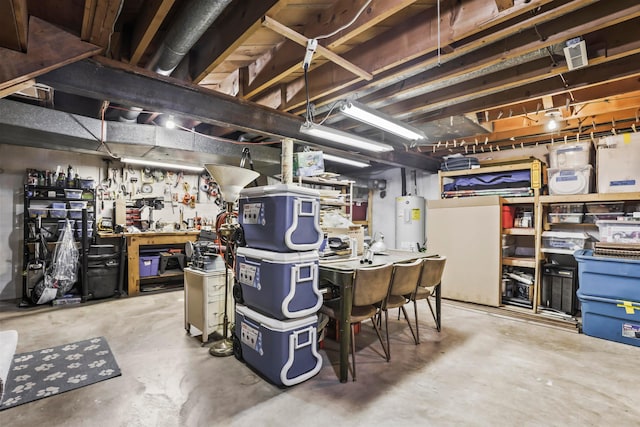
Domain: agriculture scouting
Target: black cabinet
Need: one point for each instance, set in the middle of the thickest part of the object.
(46, 212)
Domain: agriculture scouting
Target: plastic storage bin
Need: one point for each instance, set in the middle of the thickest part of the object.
(610, 319)
(570, 181)
(77, 205)
(37, 211)
(598, 211)
(615, 278)
(566, 242)
(283, 351)
(72, 194)
(570, 156)
(149, 265)
(567, 213)
(280, 285)
(619, 231)
(281, 218)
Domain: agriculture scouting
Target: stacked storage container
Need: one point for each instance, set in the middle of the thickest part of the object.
(610, 297)
(570, 170)
(277, 283)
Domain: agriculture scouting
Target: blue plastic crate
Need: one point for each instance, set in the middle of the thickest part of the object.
(611, 319)
(149, 265)
(607, 277)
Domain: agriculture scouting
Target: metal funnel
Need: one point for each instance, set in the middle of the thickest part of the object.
(231, 179)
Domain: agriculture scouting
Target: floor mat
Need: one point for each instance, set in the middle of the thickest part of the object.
(50, 371)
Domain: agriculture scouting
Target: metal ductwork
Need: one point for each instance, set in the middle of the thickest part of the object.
(194, 19)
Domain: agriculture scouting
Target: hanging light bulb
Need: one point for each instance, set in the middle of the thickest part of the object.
(170, 123)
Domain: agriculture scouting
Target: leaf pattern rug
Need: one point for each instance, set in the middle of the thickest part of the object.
(50, 371)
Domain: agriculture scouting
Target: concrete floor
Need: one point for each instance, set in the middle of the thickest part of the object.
(481, 370)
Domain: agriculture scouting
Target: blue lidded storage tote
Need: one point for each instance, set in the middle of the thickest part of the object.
(280, 285)
(283, 351)
(610, 319)
(607, 277)
(281, 218)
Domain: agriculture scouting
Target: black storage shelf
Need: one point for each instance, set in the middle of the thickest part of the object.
(33, 193)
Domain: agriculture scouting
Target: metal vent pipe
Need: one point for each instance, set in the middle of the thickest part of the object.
(194, 19)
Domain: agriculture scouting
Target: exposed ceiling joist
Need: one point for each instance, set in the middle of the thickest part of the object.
(147, 27)
(298, 38)
(49, 48)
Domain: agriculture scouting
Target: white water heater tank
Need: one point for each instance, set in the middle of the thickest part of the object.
(410, 222)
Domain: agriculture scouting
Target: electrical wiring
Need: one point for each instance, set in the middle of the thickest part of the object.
(347, 25)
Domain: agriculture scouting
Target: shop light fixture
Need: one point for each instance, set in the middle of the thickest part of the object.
(344, 161)
(375, 118)
(153, 163)
(342, 137)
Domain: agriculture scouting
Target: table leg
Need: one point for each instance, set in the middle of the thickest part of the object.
(438, 306)
(345, 327)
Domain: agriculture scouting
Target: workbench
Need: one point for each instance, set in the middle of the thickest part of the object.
(135, 240)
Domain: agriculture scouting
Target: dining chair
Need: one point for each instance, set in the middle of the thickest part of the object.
(404, 281)
(428, 286)
(370, 287)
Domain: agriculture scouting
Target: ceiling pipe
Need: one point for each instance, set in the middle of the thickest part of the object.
(189, 26)
(194, 19)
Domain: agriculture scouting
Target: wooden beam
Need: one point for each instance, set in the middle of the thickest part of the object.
(504, 4)
(221, 40)
(296, 37)
(104, 17)
(16, 88)
(287, 59)
(49, 48)
(13, 24)
(621, 69)
(514, 77)
(146, 27)
(87, 19)
(417, 37)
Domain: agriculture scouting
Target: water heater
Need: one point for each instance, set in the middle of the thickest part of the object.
(410, 222)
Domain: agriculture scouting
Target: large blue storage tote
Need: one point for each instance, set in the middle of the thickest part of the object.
(280, 285)
(285, 352)
(281, 218)
(616, 278)
(610, 319)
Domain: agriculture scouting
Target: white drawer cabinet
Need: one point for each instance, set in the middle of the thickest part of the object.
(204, 301)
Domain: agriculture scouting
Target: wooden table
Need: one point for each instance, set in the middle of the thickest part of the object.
(341, 273)
(135, 240)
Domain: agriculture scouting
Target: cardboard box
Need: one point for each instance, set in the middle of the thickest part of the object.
(354, 232)
(618, 170)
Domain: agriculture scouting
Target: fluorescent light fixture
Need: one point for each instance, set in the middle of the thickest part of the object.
(367, 115)
(342, 137)
(144, 162)
(344, 161)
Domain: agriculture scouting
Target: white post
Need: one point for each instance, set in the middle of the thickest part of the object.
(287, 161)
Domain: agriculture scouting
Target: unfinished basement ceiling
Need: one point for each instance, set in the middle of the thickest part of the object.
(471, 74)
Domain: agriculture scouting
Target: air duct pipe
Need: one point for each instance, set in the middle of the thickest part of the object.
(194, 19)
(189, 26)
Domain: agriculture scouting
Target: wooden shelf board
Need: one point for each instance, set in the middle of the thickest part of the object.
(519, 231)
(489, 169)
(519, 262)
(518, 200)
(593, 197)
(166, 275)
(333, 203)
